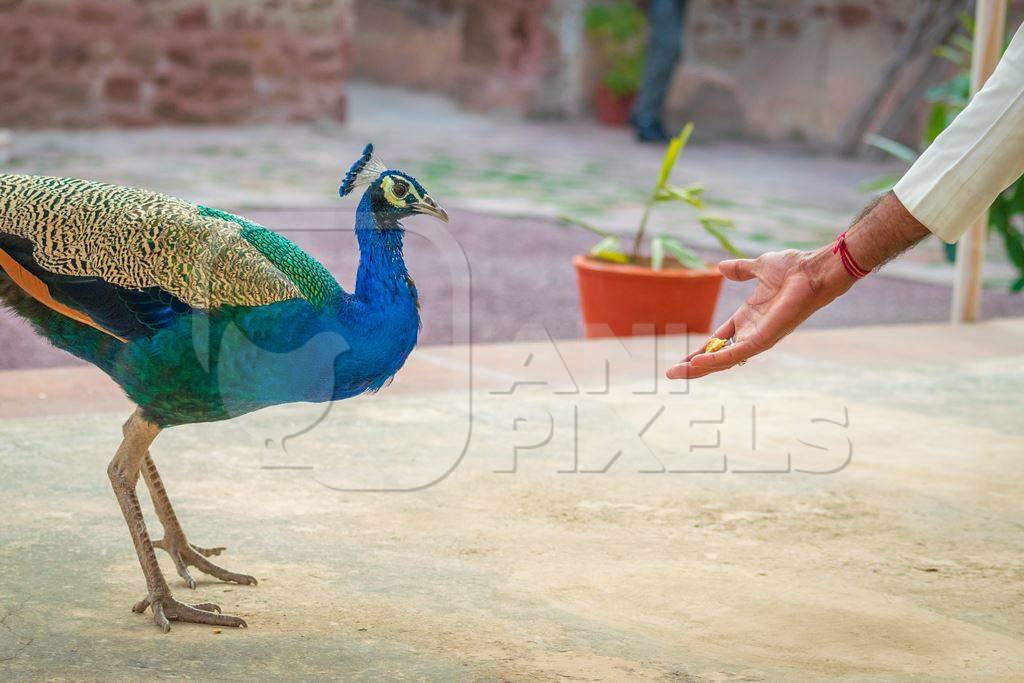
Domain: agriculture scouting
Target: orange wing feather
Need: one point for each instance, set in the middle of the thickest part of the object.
(38, 290)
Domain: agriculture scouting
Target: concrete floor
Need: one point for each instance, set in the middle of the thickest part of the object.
(558, 544)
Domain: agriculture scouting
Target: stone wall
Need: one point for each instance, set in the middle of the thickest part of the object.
(141, 62)
(489, 54)
(784, 70)
(777, 70)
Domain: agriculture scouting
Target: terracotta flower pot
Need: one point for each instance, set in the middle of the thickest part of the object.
(613, 110)
(623, 300)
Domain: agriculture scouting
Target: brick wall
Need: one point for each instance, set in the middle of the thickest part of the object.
(142, 62)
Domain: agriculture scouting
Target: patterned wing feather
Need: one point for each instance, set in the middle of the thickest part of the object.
(130, 260)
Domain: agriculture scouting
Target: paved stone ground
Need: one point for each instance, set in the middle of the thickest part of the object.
(903, 565)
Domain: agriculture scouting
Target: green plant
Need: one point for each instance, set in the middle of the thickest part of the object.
(946, 101)
(610, 247)
(618, 31)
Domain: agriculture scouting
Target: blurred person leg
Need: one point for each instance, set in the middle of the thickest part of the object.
(663, 52)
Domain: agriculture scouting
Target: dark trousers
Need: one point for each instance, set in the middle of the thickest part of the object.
(663, 51)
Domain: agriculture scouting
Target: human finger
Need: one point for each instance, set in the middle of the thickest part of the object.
(739, 270)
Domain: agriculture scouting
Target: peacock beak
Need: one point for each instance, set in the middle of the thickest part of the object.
(429, 207)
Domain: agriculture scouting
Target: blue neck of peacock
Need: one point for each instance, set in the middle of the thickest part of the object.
(383, 277)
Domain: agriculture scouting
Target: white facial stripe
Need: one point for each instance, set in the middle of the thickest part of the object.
(388, 185)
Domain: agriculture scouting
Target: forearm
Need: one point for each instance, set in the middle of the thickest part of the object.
(884, 231)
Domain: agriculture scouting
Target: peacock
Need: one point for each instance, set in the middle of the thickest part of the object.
(157, 292)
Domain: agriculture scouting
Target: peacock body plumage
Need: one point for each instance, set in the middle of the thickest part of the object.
(201, 315)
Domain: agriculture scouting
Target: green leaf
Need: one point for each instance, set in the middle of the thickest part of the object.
(694, 190)
(937, 122)
(683, 194)
(967, 21)
(624, 76)
(896, 149)
(953, 55)
(672, 154)
(963, 42)
(955, 92)
(1015, 197)
(686, 256)
(999, 220)
(715, 226)
(717, 221)
(609, 249)
(576, 222)
(657, 253)
(882, 183)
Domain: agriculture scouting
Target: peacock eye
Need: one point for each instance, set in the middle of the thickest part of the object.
(400, 189)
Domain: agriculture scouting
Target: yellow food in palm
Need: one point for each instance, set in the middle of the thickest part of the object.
(715, 344)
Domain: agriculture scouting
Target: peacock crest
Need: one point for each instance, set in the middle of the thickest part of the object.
(367, 169)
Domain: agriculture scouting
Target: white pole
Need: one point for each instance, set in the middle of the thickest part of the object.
(989, 32)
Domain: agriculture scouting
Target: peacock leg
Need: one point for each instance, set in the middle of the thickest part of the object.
(139, 434)
(183, 553)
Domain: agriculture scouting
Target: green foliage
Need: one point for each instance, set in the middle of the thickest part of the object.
(716, 226)
(620, 21)
(947, 100)
(618, 31)
(882, 183)
(896, 149)
(610, 248)
(684, 255)
(624, 76)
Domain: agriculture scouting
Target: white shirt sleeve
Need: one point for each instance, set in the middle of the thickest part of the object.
(978, 156)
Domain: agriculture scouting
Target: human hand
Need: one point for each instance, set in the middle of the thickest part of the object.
(791, 286)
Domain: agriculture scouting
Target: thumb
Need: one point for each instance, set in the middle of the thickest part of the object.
(738, 269)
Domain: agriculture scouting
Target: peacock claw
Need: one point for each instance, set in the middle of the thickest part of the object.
(166, 609)
(186, 555)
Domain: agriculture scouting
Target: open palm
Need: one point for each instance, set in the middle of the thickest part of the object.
(788, 292)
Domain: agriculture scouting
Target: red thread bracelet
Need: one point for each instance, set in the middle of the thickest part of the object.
(849, 264)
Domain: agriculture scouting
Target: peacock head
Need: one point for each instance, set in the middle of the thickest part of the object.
(393, 195)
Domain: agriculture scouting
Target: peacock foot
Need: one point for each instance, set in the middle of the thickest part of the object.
(186, 555)
(166, 609)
